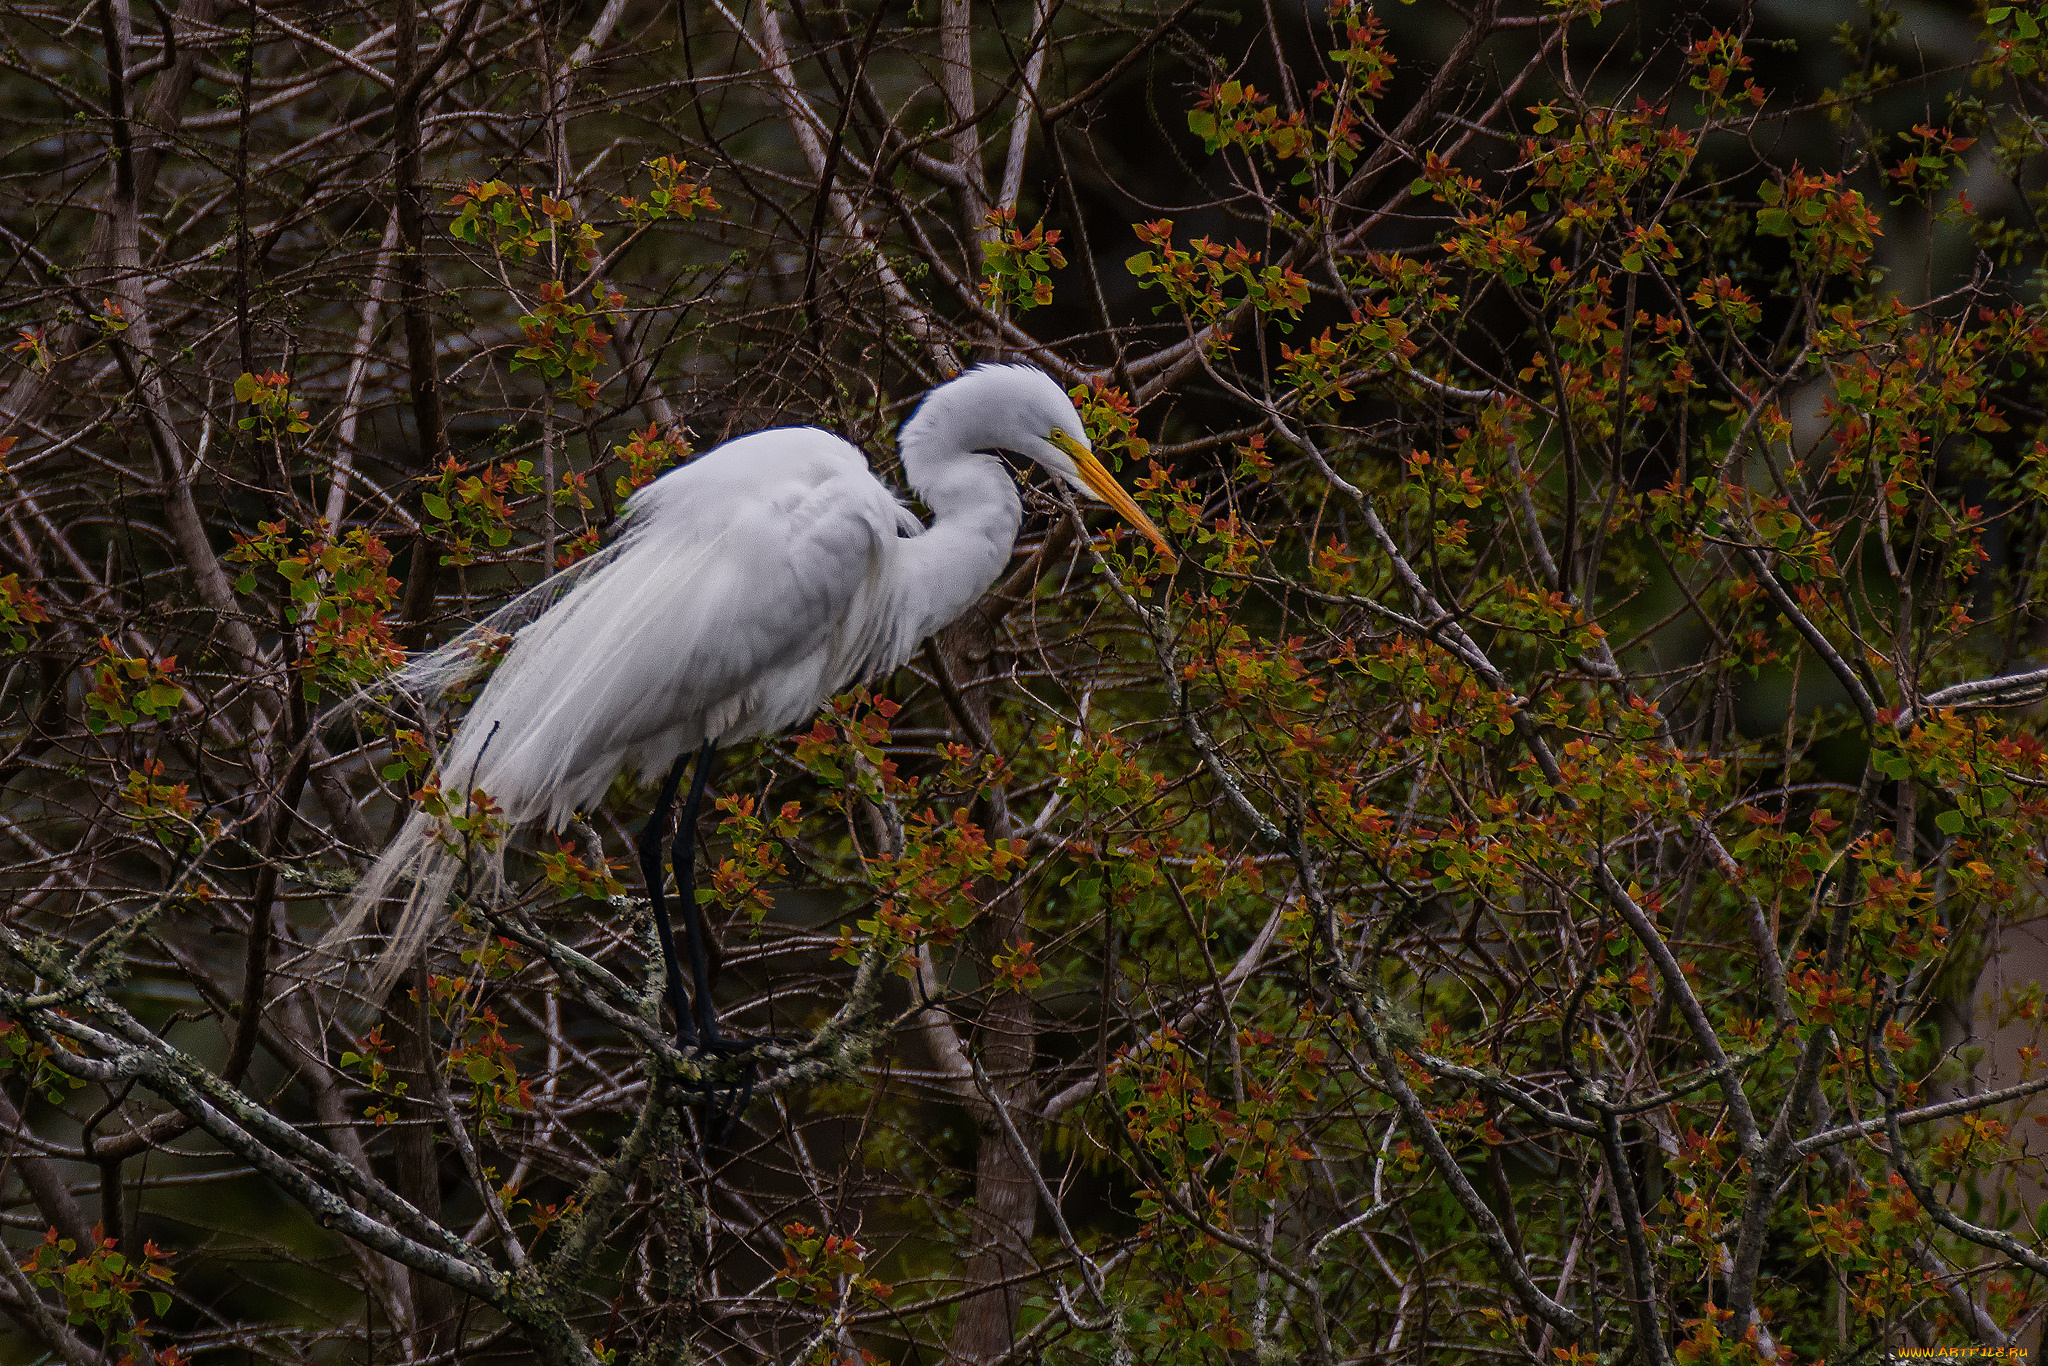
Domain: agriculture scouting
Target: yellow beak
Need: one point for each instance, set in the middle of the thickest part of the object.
(1103, 486)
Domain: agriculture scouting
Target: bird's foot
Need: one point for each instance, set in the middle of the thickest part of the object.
(726, 1065)
(713, 1045)
(724, 1087)
(739, 1059)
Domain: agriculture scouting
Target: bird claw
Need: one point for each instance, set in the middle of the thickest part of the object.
(719, 1046)
(728, 1101)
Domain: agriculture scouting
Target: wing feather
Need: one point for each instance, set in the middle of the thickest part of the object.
(747, 587)
(696, 630)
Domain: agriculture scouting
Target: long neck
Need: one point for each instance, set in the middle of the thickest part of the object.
(975, 515)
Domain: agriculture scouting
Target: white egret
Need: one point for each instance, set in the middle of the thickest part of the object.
(746, 588)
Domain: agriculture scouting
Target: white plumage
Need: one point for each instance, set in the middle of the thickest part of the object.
(745, 589)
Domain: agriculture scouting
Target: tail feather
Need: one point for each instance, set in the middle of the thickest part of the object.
(623, 661)
(419, 863)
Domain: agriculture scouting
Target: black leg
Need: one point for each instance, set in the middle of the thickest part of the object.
(651, 836)
(707, 1035)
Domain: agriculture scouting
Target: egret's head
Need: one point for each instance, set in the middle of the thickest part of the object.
(1022, 409)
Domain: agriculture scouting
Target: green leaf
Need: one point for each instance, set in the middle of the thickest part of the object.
(1950, 822)
(437, 507)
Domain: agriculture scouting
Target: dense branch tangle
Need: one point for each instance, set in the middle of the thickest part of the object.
(1522, 889)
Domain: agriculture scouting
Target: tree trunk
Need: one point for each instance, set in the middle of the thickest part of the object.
(1005, 1203)
(419, 1166)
